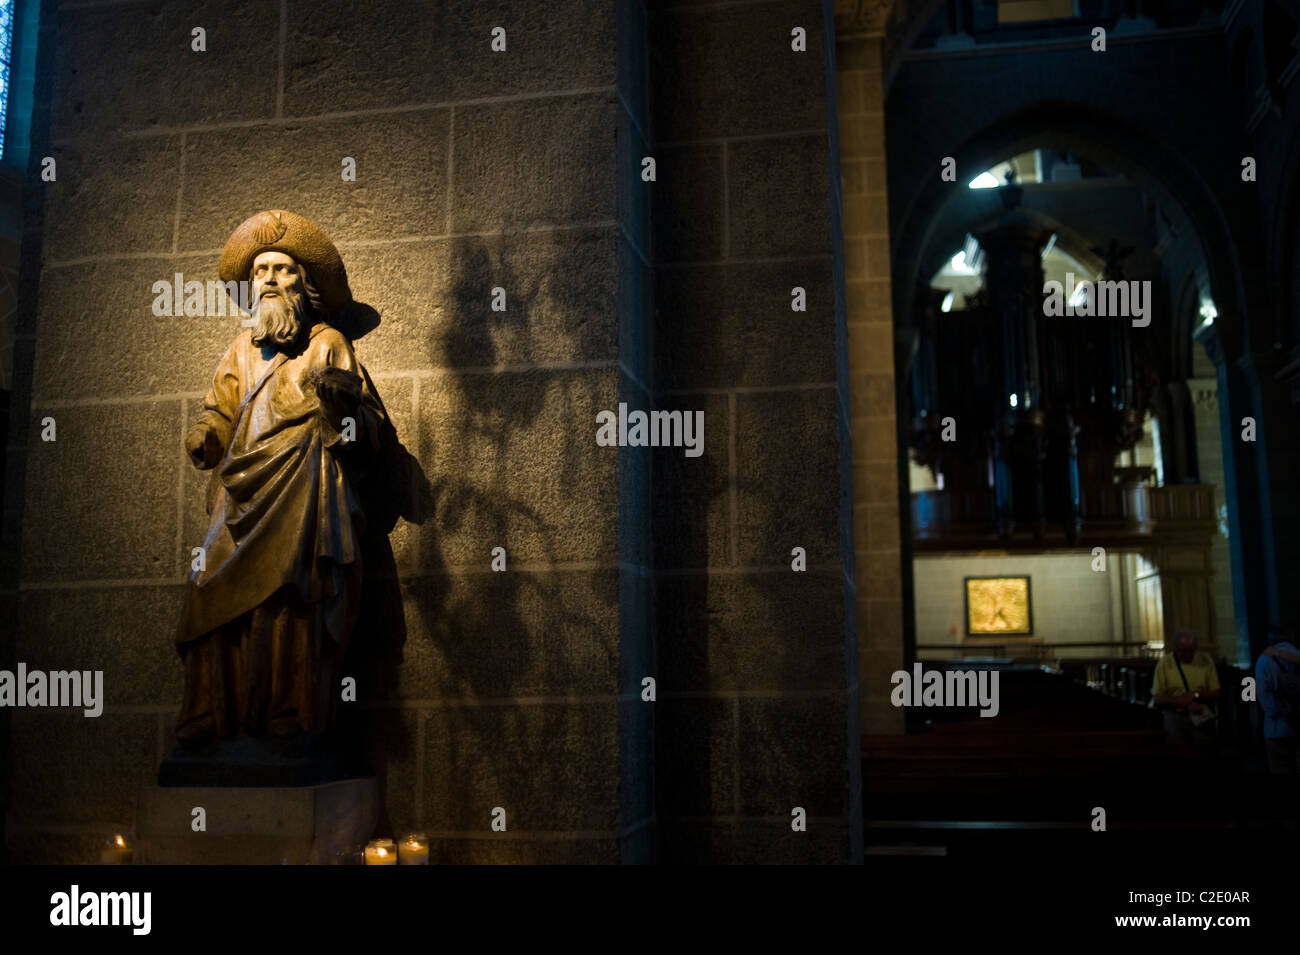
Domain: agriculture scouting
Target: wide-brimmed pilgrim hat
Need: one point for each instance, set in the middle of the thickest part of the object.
(279, 230)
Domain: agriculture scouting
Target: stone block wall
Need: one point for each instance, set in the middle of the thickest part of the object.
(881, 544)
(759, 700)
(474, 170)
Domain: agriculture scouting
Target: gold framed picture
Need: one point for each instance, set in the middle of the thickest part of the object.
(998, 607)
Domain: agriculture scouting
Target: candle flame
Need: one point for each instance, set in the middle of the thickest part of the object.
(383, 851)
(120, 841)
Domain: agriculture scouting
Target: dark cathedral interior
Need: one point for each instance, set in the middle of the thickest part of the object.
(682, 432)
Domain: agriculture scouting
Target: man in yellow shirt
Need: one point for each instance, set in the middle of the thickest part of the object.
(1186, 681)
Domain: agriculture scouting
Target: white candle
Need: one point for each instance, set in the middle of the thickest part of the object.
(413, 850)
(381, 852)
(116, 852)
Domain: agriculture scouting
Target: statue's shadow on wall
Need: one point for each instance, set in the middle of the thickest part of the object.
(496, 635)
(375, 651)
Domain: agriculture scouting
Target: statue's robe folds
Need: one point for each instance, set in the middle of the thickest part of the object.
(268, 617)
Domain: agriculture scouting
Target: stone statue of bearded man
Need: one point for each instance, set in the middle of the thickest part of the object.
(299, 443)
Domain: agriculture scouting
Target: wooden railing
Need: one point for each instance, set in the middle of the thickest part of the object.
(1121, 670)
(1184, 506)
(1039, 652)
(1123, 514)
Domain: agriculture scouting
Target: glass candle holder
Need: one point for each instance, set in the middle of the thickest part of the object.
(352, 855)
(381, 852)
(413, 849)
(116, 851)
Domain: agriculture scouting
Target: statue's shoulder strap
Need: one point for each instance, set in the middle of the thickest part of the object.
(276, 362)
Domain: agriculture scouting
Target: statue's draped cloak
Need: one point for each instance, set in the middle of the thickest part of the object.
(284, 510)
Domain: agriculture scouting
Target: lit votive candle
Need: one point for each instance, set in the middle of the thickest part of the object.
(381, 852)
(115, 852)
(413, 849)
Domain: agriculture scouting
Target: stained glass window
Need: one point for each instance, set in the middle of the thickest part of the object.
(6, 43)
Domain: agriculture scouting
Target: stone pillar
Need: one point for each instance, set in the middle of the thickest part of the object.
(880, 490)
(1278, 463)
(758, 707)
(1187, 590)
(1250, 572)
(1209, 463)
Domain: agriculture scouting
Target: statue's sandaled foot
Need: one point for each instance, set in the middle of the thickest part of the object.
(197, 733)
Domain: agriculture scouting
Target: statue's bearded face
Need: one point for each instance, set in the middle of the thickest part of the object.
(281, 300)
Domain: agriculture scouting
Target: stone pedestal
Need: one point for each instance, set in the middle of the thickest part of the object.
(300, 825)
(306, 759)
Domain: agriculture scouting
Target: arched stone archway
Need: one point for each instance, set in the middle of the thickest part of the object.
(1127, 111)
(1233, 264)
(1104, 138)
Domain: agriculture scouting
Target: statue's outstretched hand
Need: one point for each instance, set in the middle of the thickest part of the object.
(203, 446)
